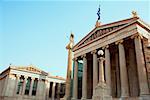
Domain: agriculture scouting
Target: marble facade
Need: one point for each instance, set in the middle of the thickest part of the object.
(123, 72)
(30, 83)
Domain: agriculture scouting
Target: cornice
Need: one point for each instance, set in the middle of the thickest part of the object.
(126, 21)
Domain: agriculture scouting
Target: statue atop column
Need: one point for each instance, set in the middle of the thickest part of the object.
(69, 69)
(99, 17)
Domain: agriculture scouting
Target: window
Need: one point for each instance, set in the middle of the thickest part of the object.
(34, 87)
(50, 90)
(28, 84)
(20, 85)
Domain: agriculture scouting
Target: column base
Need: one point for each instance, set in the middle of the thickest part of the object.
(133, 98)
(83, 98)
(125, 96)
(66, 98)
(74, 99)
(102, 92)
(144, 97)
(102, 98)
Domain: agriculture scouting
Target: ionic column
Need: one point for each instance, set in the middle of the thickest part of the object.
(123, 70)
(95, 69)
(107, 68)
(38, 86)
(101, 71)
(31, 86)
(24, 85)
(16, 84)
(58, 91)
(84, 78)
(47, 89)
(143, 83)
(75, 81)
(53, 91)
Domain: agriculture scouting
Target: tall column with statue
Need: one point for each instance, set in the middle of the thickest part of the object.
(69, 69)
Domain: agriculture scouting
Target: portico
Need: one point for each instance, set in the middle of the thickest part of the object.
(22, 83)
(122, 71)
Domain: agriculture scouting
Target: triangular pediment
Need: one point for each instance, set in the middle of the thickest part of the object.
(30, 68)
(101, 31)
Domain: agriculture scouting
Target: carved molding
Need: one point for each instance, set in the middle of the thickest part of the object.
(75, 59)
(101, 59)
(136, 36)
(83, 56)
(105, 47)
(99, 33)
(119, 42)
(94, 51)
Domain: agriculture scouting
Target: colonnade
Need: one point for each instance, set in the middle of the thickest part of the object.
(141, 71)
(47, 90)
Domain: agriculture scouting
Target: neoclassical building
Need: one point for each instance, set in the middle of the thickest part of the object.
(116, 61)
(30, 83)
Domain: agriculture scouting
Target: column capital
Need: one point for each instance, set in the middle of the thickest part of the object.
(17, 76)
(136, 36)
(37, 79)
(101, 59)
(93, 52)
(25, 77)
(54, 83)
(105, 47)
(32, 78)
(46, 81)
(75, 59)
(83, 56)
(119, 42)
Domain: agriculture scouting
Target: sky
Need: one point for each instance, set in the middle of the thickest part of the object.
(37, 31)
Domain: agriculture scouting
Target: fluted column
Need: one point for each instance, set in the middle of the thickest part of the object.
(53, 91)
(58, 91)
(31, 86)
(75, 81)
(16, 84)
(101, 71)
(24, 85)
(107, 68)
(143, 83)
(95, 69)
(38, 86)
(123, 70)
(47, 89)
(84, 78)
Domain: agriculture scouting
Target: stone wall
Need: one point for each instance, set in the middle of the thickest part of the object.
(2, 82)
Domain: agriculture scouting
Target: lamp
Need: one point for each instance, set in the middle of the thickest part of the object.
(100, 52)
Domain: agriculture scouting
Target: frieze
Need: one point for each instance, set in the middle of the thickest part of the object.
(99, 33)
(30, 69)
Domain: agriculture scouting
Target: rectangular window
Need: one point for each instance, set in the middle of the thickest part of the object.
(20, 85)
(34, 87)
(28, 86)
(50, 90)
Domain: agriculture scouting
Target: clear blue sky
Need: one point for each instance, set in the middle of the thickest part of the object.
(36, 31)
